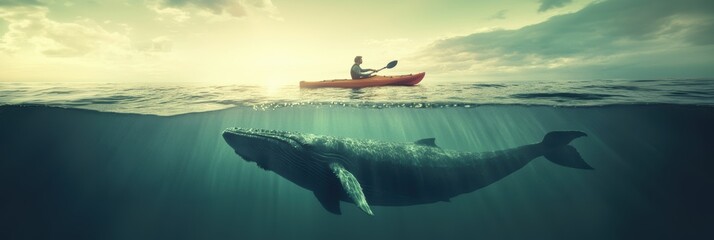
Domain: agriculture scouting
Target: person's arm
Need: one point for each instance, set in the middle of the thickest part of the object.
(367, 72)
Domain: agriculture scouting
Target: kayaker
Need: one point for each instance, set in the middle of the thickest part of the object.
(357, 72)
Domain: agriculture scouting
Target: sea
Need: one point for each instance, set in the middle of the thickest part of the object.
(147, 160)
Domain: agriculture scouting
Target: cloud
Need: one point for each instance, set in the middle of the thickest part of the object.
(29, 28)
(157, 44)
(234, 8)
(170, 14)
(499, 15)
(600, 35)
(4, 3)
(546, 5)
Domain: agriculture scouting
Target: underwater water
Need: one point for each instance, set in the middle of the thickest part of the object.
(73, 172)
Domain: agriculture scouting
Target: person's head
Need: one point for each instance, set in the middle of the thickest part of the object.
(358, 60)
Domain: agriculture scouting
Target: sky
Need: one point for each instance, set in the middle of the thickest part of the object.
(282, 42)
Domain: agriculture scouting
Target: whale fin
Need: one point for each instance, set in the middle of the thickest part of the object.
(429, 142)
(351, 187)
(559, 152)
(330, 202)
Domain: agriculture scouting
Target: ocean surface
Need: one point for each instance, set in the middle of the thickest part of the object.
(166, 99)
(147, 161)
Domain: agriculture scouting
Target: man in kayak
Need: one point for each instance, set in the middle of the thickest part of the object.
(357, 72)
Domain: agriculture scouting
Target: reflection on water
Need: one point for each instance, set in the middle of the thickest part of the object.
(359, 94)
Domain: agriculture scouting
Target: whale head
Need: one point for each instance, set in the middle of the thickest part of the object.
(311, 161)
(269, 149)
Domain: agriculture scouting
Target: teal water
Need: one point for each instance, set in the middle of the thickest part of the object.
(82, 174)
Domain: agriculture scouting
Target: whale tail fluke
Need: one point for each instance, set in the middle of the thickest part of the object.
(558, 151)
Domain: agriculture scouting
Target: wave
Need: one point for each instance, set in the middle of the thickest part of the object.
(564, 96)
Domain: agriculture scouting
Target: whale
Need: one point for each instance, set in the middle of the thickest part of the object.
(369, 172)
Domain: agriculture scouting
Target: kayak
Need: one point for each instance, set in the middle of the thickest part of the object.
(374, 81)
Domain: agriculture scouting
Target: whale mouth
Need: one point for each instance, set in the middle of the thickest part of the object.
(241, 139)
(259, 134)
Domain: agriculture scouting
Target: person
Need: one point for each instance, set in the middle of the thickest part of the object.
(357, 72)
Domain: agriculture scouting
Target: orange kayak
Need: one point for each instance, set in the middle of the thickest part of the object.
(375, 81)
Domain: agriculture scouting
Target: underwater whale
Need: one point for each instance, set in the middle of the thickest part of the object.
(371, 172)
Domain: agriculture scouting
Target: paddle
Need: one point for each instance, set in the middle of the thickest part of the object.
(389, 65)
